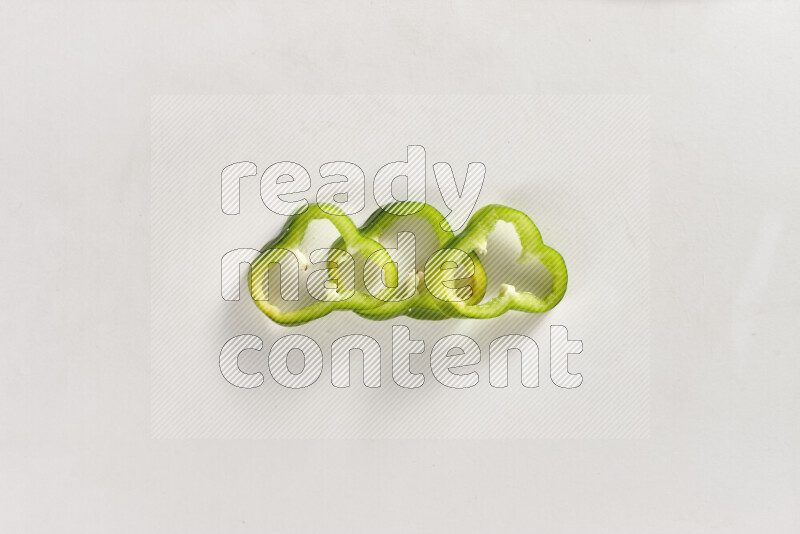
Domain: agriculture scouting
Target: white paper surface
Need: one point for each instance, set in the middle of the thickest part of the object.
(77, 453)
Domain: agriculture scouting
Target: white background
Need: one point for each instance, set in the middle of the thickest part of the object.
(75, 447)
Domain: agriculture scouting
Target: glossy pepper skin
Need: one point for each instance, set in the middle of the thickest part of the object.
(474, 239)
(289, 241)
(422, 305)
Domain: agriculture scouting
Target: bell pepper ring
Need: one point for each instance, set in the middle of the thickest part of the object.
(474, 238)
(421, 305)
(286, 246)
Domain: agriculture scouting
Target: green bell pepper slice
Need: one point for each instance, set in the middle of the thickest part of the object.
(288, 243)
(474, 239)
(422, 305)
